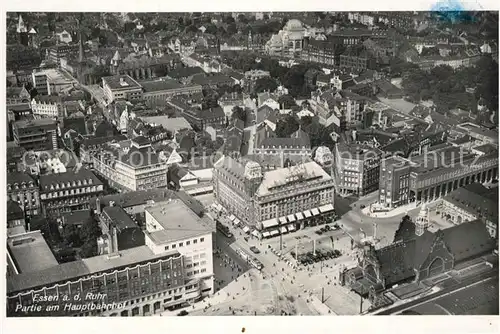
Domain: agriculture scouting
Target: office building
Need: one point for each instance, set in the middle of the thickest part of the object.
(23, 189)
(36, 135)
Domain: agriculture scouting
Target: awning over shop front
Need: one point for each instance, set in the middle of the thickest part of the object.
(283, 220)
(283, 229)
(326, 208)
(255, 233)
(269, 223)
(291, 218)
(274, 232)
(266, 234)
(307, 214)
(232, 217)
(236, 221)
(299, 215)
(246, 229)
(291, 227)
(315, 211)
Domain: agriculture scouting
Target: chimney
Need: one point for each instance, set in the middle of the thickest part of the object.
(98, 205)
(115, 240)
(111, 203)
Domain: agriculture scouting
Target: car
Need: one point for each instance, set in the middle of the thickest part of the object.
(292, 253)
(362, 206)
(183, 313)
(255, 250)
(319, 232)
(327, 228)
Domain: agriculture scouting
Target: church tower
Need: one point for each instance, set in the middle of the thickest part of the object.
(422, 222)
(22, 31)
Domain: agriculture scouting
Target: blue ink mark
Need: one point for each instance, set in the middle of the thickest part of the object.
(452, 11)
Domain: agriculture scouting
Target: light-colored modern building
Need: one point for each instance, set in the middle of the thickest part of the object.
(172, 226)
(121, 87)
(357, 168)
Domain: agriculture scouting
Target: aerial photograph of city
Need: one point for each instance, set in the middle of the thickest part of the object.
(252, 163)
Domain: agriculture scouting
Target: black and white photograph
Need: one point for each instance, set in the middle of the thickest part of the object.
(275, 163)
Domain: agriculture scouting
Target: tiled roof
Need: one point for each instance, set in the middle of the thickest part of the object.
(19, 178)
(68, 177)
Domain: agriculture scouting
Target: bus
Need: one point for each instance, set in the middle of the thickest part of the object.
(223, 229)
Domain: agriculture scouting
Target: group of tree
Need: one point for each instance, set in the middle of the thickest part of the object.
(84, 237)
(239, 113)
(319, 135)
(446, 86)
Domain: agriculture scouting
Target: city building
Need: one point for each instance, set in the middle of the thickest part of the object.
(357, 168)
(36, 135)
(319, 51)
(357, 58)
(172, 226)
(121, 87)
(119, 230)
(156, 92)
(68, 191)
(130, 165)
(144, 67)
(47, 106)
(40, 82)
(431, 175)
(287, 41)
(23, 190)
(416, 254)
(56, 52)
(471, 203)
(342, 108)
(298, 144)
(275, 201)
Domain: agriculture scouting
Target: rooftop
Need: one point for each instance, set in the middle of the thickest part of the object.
(121, 82)
(178, 222)
(30, 252)
(69, 177)
(283, 177)
(159, 85)
(119, 217)
(134, 198)
(75, 269)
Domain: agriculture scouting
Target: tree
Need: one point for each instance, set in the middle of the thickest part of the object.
(191, 28)
(90, 230)
(71, 235)
(286, 126)
(239, 113)
(242, 18)
(211, 29)
(265, 84)
(89, 249)
(287, 101)
(232, 29)
(129, 26)
(228, 19)
(265, 17)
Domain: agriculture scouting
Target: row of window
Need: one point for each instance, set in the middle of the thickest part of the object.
(181, 244)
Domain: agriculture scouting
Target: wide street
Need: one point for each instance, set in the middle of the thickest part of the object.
(278, 286)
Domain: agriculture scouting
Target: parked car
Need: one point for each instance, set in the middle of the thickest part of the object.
(327, 228)
(319, 232)
(255, 250)
(183, 313)
(362, 206)
(336, 226)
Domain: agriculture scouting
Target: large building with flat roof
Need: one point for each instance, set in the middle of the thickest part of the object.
(36, 135)
(171, 226)
(173, 269)
(284, 199)
(433, 174)
(121, 87)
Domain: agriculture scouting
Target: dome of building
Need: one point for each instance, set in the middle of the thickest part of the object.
(294, 25)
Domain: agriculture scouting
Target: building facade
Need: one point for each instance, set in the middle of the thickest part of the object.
(68, 191)
(23, 189)
(130, 165)
(121, 87)
(36, 135)
(423, 178)
(292, 198)
(357, 168)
